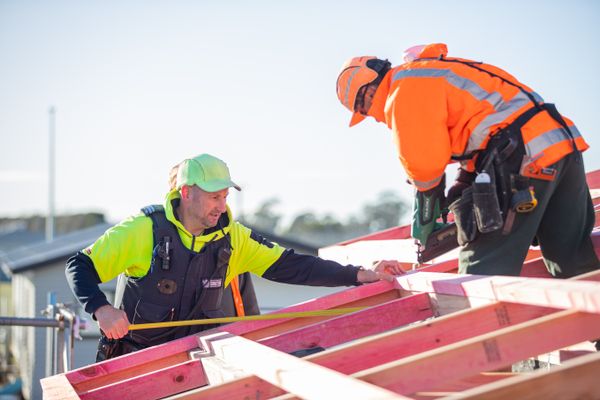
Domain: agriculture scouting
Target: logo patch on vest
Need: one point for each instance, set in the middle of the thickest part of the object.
(212, 283)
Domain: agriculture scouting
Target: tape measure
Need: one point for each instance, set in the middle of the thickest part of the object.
(524, 201)
(265, 317)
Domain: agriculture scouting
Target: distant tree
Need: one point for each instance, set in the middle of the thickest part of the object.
(386, 212)
(316, 230)
(265, 218)
(310, 223)
(63, 223)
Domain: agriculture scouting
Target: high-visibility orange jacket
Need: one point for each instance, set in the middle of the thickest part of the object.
(438, 108)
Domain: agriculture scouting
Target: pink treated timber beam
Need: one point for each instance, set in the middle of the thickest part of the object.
(343, 329)
(372, 351)
(576, 379)
(292, 374)
(365, 295)
(124, 367)
(155, 385)
(58, 387)
(486, 352)
(335, 331)
(557, 293)
(156, 358)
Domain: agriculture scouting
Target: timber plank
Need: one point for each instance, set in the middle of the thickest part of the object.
(435, 333)
(356, 325)
(155, 385)
(483, 353)
(448, 388)
(288, 372)
(57, 387)
(557, 293)
(291, 324)
(389, 346)
(248, 387)
(593, 276)
(334, 300)
(137, 363)
(483, 378)
(576, 379)
(168, 354)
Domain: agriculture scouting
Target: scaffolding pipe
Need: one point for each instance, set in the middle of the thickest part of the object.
(63, 328)
(50, 312)
(38, 322)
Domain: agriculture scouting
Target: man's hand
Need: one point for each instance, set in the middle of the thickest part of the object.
(112, 321)
(464, 179)
(381, 270)
(428, 206)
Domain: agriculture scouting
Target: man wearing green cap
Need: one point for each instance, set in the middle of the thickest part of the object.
(181, 258)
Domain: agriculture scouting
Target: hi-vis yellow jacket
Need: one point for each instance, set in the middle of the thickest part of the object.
(127, 248)
(438, 109)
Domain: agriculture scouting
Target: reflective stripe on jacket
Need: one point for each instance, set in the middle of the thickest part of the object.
(439, 108)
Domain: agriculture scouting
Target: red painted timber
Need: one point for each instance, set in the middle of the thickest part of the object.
(345, 328)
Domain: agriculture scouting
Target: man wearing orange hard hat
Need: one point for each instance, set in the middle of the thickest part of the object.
(521, 176)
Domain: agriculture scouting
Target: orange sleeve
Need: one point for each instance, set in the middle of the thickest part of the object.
(418, 113)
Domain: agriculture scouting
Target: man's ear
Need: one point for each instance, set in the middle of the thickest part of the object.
(185, 192)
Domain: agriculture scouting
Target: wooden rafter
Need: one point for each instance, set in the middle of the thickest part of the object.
(288, 372)
(399, 347)
(484, 353)
(576, 379)
(343, 329)
(557, 293)
(389, 346)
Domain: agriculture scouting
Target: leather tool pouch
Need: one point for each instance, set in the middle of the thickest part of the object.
(486, 207)
(464, 217)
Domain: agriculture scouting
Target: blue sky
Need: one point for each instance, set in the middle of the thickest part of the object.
(138, 86)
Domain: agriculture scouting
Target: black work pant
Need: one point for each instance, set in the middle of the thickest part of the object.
(562, 221)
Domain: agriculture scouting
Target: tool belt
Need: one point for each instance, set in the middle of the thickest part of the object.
(111, 348)
(499, 190)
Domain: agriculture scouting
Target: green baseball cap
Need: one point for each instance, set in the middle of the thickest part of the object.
(205, 171)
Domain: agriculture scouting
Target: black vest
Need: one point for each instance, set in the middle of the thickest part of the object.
(181, 284)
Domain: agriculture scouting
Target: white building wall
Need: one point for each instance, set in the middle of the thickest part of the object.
(30, 296)
(368, 251)
(23, 338)
(274, 296)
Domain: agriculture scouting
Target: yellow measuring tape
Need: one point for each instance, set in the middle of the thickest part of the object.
(265, 317)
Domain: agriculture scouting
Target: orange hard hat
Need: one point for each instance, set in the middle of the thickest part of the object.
(356, 73)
